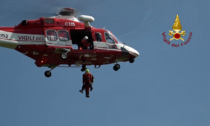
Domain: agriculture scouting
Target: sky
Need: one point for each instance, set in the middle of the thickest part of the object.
(165, 86)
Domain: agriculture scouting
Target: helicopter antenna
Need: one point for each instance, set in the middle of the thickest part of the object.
(86, 19)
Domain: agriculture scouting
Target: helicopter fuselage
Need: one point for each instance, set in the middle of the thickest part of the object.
(53, 42)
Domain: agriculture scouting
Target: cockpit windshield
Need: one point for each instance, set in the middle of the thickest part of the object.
(110, 36)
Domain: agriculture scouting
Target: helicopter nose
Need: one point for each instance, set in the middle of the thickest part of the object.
(132, 51)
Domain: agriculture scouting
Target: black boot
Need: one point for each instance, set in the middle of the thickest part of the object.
(87, 95)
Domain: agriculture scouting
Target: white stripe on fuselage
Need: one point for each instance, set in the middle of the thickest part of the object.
(11, 40)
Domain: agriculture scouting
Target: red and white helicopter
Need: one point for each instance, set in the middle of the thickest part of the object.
(56, 41)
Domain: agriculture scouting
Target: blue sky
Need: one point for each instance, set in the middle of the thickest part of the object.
(165, 86)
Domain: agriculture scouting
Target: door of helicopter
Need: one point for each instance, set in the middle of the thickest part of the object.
(98, 40)
(78, 35)
(58, 37)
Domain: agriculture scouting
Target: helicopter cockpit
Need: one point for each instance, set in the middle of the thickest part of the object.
(109, 38)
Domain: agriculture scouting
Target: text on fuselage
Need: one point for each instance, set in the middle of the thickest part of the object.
(30, 38)
(3, 35)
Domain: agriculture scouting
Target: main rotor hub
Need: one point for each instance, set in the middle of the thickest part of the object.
(67, 12)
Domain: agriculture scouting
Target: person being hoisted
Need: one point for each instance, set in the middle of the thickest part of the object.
(88, 79)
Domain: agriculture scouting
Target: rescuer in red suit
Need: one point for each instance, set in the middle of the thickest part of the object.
(85, 43)
(87, 81)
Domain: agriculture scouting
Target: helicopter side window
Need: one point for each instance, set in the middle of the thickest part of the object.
(98, 36)
(109, 38)
(52, 35)
(63, 35)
